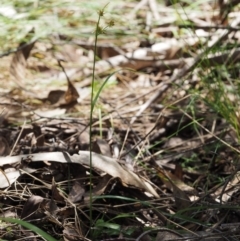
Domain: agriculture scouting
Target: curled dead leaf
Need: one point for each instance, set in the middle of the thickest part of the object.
(106, 164)
(71, 94)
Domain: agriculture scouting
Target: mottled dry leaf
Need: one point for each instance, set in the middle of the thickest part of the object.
(61, 98)
(71, 94)
(178, 172)
(170, 179)
(19, 61)
(100, 162)
(30, 208)
(182, 200)
(50, 206)
(178, 187)
(225, 192)
(77, 192)
(38, 136)
(100, 188)
(165, 235)
(83, 137)
(70, 234)
(102, 147)
(54, 96)
(56, 195)
(4, 147)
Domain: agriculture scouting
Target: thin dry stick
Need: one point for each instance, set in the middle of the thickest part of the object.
(154, 127)
(5, 176)
(219, 139)
(20, 133)
(161, 230)
(138, 6)
(163, 86)
(154, 8)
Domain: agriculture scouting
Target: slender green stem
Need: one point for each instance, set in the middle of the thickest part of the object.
(91, 113)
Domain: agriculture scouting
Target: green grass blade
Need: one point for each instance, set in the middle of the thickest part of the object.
(104, 83)
(31, 227)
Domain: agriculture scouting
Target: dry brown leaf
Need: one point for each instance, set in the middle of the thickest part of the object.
(19, 60)
(178, 187)
(100, 188)
(182, 201)
(100, 162)
(170, 179)
(56, 194)
(102, 147)
(77, 192)
(61, 98)
(37, 207)
(84, 137)
(166, 235)
(38, 136)
(71, 94)
(70, 234)
(4, 147)
(54, 96)
(178, 172)
(30, 208)
(225, 192)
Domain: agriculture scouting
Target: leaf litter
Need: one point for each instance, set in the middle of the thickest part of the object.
(165, 159)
